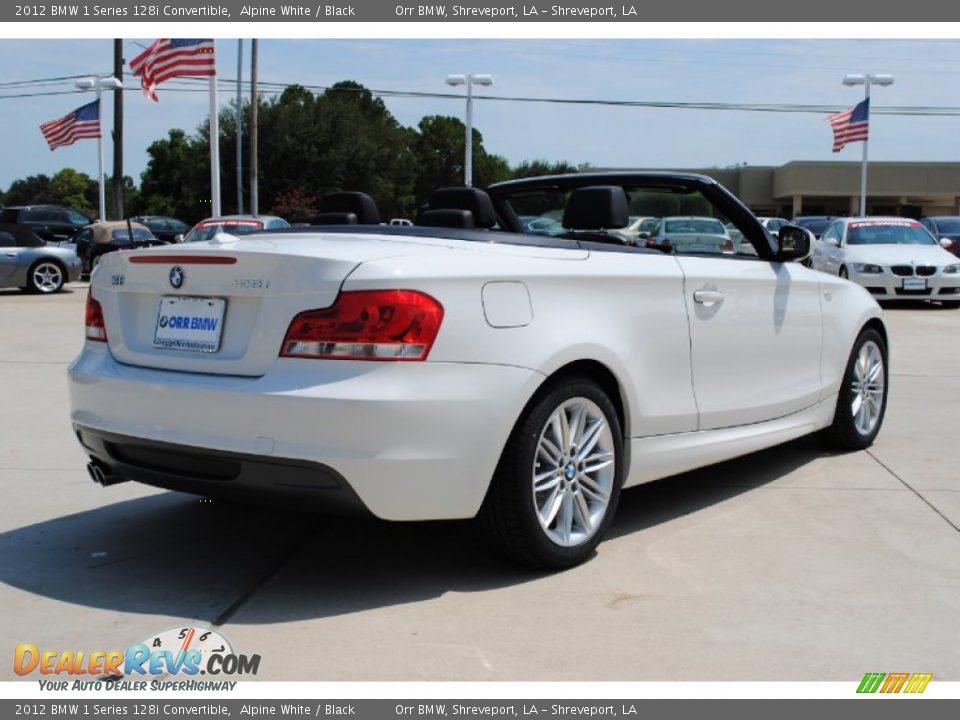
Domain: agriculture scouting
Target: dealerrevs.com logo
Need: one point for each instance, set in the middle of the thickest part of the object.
(888, 683)
(184, 653)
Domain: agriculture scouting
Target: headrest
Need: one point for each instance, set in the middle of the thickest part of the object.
(600, 207)
(335, 218)
(447, 218)
(472, 199)
(358, 203)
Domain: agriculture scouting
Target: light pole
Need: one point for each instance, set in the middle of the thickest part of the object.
(469, 81)
(100, 84)
(866, 80)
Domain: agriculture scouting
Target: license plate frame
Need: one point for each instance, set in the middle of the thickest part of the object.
(188, 323)
(914, 283)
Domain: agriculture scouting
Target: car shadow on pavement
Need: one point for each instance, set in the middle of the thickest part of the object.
(180, 556)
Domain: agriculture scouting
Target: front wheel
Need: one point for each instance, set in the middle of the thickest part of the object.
(862, 400)
(46, 277)
(556, 487)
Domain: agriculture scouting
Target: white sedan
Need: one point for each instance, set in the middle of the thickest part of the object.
(893, 258)
(460, 367)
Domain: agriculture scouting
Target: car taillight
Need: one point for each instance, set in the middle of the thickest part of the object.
(728, 246)
(96, 329)
(367, 325)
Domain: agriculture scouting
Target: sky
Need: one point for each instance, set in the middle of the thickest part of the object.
(746, 71)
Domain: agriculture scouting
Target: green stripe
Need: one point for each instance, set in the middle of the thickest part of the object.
(871, 682)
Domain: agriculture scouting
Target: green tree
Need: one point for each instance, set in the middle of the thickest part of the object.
(76, 189)
(34, 189)
(176, 180)
(440, 149)
(534, 168)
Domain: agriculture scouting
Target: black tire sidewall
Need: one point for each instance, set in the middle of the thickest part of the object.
(515, 496)
(31, 283)
(844, 430)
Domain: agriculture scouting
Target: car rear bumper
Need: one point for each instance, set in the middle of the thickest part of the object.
(411, 441)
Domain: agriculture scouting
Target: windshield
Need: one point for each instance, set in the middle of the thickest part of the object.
(693, 226)
(206, 230)
(814, 225)
(949, 226)
(888, 232)
(666, 210)
(121, 235)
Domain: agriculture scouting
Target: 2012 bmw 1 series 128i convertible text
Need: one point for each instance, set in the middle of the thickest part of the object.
(459, 367)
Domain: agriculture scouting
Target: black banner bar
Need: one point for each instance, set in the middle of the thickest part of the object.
(77, 708)
(498, 11)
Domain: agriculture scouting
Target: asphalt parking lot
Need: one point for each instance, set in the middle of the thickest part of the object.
(790, 564)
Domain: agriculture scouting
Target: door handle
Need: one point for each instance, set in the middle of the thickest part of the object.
(707, 297)
(11, 254)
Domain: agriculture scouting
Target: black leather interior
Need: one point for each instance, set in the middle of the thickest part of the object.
(477, 202)
(447, 217)
(358, 203)
(335, 218)
(599, 207)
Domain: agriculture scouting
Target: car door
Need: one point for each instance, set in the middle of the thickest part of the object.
(828, 251)
(755, 337)
(9, 254)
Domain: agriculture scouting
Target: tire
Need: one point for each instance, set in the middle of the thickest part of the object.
(843, 273)
(856, 430)
(559, 525)
(950, 304)
(46, 276)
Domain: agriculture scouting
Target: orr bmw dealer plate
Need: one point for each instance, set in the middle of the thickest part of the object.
(189, 323)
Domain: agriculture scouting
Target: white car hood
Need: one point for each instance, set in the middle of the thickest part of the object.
(899, 255)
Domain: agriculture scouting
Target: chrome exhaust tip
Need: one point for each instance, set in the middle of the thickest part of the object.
(102, 475)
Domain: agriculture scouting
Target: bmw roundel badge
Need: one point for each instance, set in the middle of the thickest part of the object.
(177, 277)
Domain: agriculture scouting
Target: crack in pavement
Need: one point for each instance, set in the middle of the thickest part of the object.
(914, 491)
(283, 557)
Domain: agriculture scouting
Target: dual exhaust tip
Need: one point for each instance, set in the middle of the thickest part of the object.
(102, 475)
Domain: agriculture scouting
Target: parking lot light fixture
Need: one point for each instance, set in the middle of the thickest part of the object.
(469, 81)
(99, 84)
(866, 79)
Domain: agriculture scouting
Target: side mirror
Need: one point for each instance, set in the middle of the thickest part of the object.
(178, 238)
(946, 243)
(643, 235)
(832, 241)
(793, 243)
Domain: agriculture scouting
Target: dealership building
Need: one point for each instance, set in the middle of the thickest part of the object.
(909, 189)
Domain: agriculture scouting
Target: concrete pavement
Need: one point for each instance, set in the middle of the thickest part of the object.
(790, 564)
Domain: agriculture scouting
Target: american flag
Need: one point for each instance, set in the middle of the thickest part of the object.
(167, 58)
(850, 125)
(84, 122)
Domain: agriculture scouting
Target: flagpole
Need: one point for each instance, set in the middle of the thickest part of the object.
(863, 166)
(103, 196)
(214, 149)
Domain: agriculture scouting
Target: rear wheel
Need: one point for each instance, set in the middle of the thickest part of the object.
(950, 304)
(46, 276)
(556, 487)
(862, 400)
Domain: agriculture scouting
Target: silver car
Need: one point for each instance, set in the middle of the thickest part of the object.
(27, 262)
(692, 235)
(233, 225)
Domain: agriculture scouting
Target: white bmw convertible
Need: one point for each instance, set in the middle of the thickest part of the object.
(460, 367)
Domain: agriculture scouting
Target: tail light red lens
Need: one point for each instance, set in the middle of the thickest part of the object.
(96, 329)
(728, 246)
(367, 325)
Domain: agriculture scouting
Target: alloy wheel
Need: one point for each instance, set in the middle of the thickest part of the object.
(574, 471)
